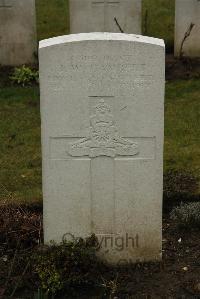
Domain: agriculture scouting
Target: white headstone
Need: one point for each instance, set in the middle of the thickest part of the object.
(18, 43)
(104, 15)
(102, 102)
(187, 12)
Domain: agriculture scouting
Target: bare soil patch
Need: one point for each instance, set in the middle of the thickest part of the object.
(185, 68)
(177, 276)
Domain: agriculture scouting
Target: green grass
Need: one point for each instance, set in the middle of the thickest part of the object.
(160, 20)
(182, 130)
(53, 19)
(20, 157)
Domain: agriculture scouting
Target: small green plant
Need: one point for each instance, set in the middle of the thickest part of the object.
(24, 76)
(67, 265)
(187, 215)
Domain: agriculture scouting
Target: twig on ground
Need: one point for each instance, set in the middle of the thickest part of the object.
(18, 281)
(12, 265)
(120, 28)
(187, 34)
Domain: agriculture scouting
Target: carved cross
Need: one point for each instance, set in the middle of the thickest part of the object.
(105, 2)
(104, 5)
(104, 149)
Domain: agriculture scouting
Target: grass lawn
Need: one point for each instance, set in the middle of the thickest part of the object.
(52, 18)
(20, 157)
(182, 129)
(158, 19)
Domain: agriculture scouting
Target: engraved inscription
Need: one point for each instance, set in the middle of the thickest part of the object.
(104, 139)
(5, 3)
(117, 69)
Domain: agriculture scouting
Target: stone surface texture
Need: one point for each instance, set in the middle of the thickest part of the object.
(187, 12)
(99, 15)
(102, 110)
(18, 43)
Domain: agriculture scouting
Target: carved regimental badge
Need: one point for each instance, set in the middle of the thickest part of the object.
(104, 139)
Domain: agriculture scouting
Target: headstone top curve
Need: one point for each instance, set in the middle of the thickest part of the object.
(98, 36)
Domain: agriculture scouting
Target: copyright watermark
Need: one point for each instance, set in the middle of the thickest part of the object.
(116, 242)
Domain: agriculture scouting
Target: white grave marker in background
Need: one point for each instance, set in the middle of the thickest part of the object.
(18, 44)
(102, 102)
(6, 3)
(187, 12)
(103, 16)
